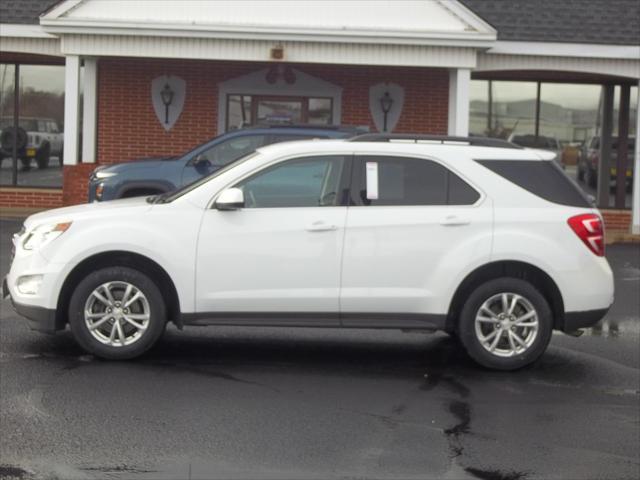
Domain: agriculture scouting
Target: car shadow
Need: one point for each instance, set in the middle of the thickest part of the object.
(370, 353)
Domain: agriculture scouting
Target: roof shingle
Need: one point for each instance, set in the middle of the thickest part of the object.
(23, 11)
(608, 22)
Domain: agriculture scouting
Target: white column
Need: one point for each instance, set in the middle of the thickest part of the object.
(89, 110)
(459, 83)
(71, 109)
(635, 201)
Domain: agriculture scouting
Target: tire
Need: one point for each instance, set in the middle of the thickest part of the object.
(7, 137)
(26, 164)
(535, 338)
(43, 155)
(105, 340)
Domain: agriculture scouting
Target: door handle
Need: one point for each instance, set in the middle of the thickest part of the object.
(320, 226)
(454, 220)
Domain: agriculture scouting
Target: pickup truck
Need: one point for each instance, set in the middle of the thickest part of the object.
(38, 139)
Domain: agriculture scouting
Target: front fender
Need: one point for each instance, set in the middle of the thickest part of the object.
(168, 240)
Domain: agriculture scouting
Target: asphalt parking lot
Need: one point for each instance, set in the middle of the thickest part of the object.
(304, 403)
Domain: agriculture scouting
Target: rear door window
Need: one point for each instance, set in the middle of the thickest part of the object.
(385, 181)
(542, 178)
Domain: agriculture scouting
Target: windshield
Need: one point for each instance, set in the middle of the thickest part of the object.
(171, 196)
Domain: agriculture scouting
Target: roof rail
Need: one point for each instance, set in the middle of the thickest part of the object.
(356, 129)
(442, 139)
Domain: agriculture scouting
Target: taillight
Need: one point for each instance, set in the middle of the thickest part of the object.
(590, 230)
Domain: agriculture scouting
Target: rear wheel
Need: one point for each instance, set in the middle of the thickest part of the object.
(117, 313)
(506, 324)
(43, 155)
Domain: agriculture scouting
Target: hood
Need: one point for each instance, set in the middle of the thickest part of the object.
(89, 210)
(141, 163)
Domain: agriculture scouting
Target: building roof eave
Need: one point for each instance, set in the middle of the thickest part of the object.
(442, 38)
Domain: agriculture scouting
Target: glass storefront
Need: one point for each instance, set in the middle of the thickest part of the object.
(39, 137)
(560, 117)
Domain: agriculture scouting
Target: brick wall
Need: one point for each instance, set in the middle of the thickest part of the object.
(617, 220)
(30, 197)
(129, 128)
(75, 183)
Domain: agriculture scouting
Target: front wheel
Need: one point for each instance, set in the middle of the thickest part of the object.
(117, 313)
(506, 324)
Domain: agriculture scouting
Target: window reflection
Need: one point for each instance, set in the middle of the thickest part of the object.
(569, 123)
(40, 135)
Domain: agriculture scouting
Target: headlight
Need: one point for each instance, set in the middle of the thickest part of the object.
(44, 234)
(101, 174)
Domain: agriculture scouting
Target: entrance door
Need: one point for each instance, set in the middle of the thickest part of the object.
(281, 253)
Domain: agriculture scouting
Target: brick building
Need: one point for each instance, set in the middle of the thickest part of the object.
(231, 63)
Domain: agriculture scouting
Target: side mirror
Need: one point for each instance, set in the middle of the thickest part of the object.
(201, 161)
(230, 199)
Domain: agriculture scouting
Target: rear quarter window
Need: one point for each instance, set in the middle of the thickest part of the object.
(542, 178)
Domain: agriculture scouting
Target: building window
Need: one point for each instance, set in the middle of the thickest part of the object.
(563, 118)
(39, 135)
(244, 110)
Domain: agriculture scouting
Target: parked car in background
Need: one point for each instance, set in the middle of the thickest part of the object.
(590, 159)
(38, 138)
(158, 175)
(493, 245)
(540, 142)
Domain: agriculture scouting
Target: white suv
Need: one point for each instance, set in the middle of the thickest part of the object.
(493, 245)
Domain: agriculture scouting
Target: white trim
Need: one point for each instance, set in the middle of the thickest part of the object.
(476, 40)
(255, 84)
(479, 34)
(459, 84)
(259, 51)
(23, 31)
(71, 109)
(551, 49)
(38, 46)
(600, 66)
(89, 110)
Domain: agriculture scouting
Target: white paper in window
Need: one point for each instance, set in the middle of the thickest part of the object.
(372, 180)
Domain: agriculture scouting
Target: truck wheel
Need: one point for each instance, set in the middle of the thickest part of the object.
(43, 155)
(26, 163)
(506, 324)
(7, 137)
(117, 313)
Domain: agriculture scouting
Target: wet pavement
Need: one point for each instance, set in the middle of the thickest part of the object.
(303, 403)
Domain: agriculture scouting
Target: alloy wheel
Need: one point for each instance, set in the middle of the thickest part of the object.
(117, 313)
(506, 324)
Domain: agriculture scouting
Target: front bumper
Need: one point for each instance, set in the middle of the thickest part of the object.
(40, 319)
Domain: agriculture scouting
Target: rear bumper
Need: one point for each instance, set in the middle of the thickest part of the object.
(576, 320)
